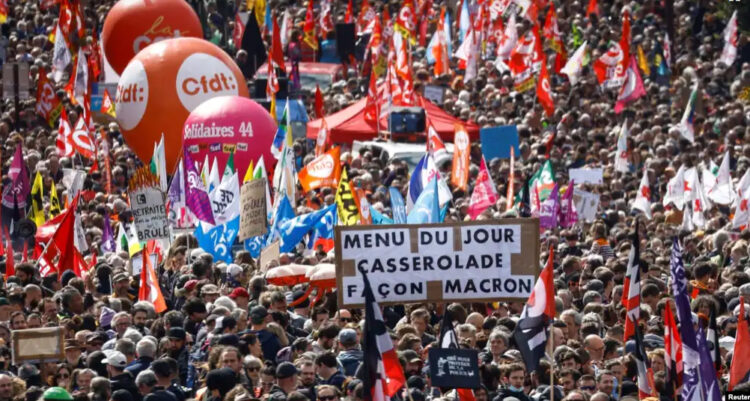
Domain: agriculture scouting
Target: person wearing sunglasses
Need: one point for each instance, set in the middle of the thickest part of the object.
(327, 392)
(342, 318)
(587, 383)
(253, 366)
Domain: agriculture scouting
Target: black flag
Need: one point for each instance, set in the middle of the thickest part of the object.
(252, 43)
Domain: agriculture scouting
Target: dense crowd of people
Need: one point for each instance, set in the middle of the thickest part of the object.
(230, 335)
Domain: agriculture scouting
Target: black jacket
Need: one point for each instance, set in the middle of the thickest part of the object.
(125, 382)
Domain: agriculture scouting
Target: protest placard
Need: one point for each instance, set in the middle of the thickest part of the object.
(148, 207)
(586, 175)
(587, 204)
(253, 209)
(454, 367)
(36, 345)
(471, 261)
(269, 254)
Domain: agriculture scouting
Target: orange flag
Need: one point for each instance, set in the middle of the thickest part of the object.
(323, 171)
(365, 217)
(323, 141)
(149, 289)
(460, 170)
(741, 358)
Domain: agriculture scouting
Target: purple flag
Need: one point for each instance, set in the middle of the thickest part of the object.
(568, 213)
(707, 371)
(196, 195)
(18, 191)
(108, 236)
(550, 209)
(691, 389)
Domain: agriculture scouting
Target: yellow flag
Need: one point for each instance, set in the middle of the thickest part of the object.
(272, 109)
(643, 62)
(248, 173)
(259, 7)
(54, 201)
(37, 200)
(345, 202)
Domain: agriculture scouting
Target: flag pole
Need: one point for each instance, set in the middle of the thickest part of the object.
(552, 365)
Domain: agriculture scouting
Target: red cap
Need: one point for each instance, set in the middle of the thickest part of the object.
(239, 292)
(190, 285)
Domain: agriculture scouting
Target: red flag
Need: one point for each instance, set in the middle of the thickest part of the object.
(319, 103)
(323, 141)
(309, 28)
(625, 37)
(95, 58)
(63, 240)
(593, 8)
(277, 53)
(371, 105)
(349, 16)
(738, 373)
(82, 141)
(149, 289)
(65, 136)
(631, 295)
(10, 262)
(239, 30)
(406, 21)
(48, 105)
(25, 255)
(672, 348)
(544, 91)
(325, 17)
(461, 157)
(551, 31)
(367, 17)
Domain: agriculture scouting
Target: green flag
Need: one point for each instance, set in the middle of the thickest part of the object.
(229, 169)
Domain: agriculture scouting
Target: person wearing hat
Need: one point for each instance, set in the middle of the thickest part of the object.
(209, 293)
(73, 354)
(119, 379)
(351, 356)
(56, 394)
(286, 381)
(241, 297)
(95, 341)
(301, 313)
(121, 287)
(178, 350)
(269, 343)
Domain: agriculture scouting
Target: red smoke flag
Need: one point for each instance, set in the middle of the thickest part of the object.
(631, 295)
(382, 376)
(672, 348)
(544, 91)
(149, 289)
(593, 8)
(277, 53)
(406, 21)
(309, 28)
(740, 369)
(319, 103)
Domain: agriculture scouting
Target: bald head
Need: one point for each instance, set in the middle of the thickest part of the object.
(594, 346)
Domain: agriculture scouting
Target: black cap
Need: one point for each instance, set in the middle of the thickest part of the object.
(286, 370)
(120, 277)
(300, 294)
(176, 333)
(97, 336)
(258, 313)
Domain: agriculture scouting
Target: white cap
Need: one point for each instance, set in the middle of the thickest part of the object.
(116, 359)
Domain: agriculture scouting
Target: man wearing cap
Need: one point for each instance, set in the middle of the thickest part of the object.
(268, 341)
(121, 287)
(178, 350)
(119, 379)
(95, 341)
(301, 309)
(286, 382)
(241, 297)
(351, 356)
(209, 293)
(73, 354)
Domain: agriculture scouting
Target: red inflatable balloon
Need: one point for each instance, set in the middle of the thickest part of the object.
(163, 84)
(131, 25)
(229, 124)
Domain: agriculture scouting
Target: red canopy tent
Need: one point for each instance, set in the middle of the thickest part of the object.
(349, 124)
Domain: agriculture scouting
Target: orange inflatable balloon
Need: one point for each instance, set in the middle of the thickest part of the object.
(163, 84)
(131, 25)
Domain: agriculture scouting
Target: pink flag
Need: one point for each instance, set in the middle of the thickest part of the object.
(17, 192)
(568, 213)
(632, 88)
(484, 194)
(550, 209)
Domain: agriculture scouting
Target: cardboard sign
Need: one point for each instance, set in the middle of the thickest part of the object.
(149, 213)
(497, 141)
(37, 345)
(454, 367)
(586, 175)
(587, 204)
(253, 209)
(473, 261)
(16, 84)
(268, 255)
(137, 263)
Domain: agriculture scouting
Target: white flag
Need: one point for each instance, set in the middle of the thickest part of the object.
(729, 53)
(575, 64)
(643, 198)
(621, 157)
(676, 190)
(723, 192)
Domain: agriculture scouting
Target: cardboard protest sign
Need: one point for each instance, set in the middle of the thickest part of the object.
(471, 261)
(269, 254)
(454, 367)
(36, 345)
(497, 141)
(586, 175)
(587, 204)
(148, 207)
(253, 209)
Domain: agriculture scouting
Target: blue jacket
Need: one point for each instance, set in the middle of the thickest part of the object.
(139, 365)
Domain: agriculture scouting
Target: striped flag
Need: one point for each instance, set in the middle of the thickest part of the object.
(631, 295)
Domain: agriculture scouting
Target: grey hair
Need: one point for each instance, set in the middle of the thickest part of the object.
(133, 335)
(719, 239)
(570, 312)
(126, 346)
(226, 302)
(146, 348)
(146, 378)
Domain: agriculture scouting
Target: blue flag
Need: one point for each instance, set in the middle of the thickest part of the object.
(218, 240)
(293, 230)
(691, 390)
(323, 229)
(427, 208)
(398, 206)
(709, 384)
(379, 218)
(283, 212)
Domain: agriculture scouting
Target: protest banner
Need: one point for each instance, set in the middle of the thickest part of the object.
(586, 175)
(454, 367)
(496, 142)
(268, 255)
(472, 261)
(147, 206)
(587, 204)
(37, 345)
(253, 209)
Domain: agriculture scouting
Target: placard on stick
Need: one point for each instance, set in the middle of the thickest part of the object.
(269, 254)
(454, 367)
(35, 345)
(148, 207)
(253, 209)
